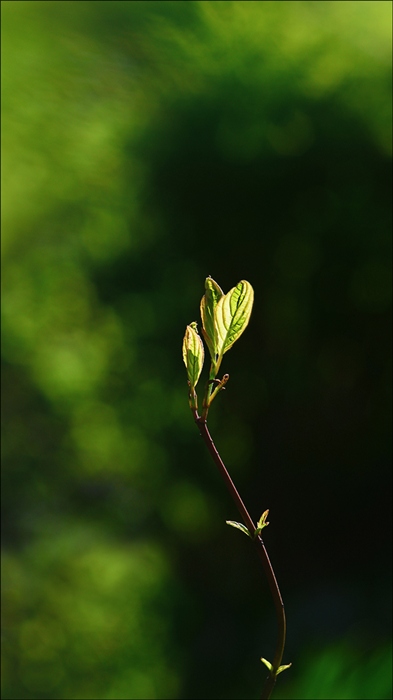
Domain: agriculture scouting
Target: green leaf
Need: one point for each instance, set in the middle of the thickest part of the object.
(193, 354)
(232, 314)
(239, 526)
(209, 302)
(262, 522)
(268, 664)
(282, 668)
(270, 667)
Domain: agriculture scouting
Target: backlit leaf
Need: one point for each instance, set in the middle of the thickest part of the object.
(238, 526)
(283, 668)
(232, 314)
(209, 302)
(193, 354)
(267, 664)
(262, 522)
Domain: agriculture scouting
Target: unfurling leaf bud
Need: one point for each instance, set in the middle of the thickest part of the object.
(193, 354)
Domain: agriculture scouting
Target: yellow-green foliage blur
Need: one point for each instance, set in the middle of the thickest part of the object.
(145, 146)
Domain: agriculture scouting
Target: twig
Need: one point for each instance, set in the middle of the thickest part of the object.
(261, 549)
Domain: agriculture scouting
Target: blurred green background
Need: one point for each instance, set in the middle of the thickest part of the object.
(147, 145)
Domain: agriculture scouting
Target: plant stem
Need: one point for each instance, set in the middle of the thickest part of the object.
(261, 549)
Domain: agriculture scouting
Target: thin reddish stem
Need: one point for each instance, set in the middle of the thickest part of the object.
(261, 549)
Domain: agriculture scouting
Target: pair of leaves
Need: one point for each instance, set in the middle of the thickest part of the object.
(270, 667)
(224, 318)
(262, 522)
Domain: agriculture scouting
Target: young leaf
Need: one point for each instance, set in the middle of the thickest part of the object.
(239, 526)
(283, 668)
(267, 664)
(270, 666)
(262, 522)
(193, 354)
(232, 314)
(209, 302)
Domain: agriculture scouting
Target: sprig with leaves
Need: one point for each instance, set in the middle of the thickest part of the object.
(224, 318)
